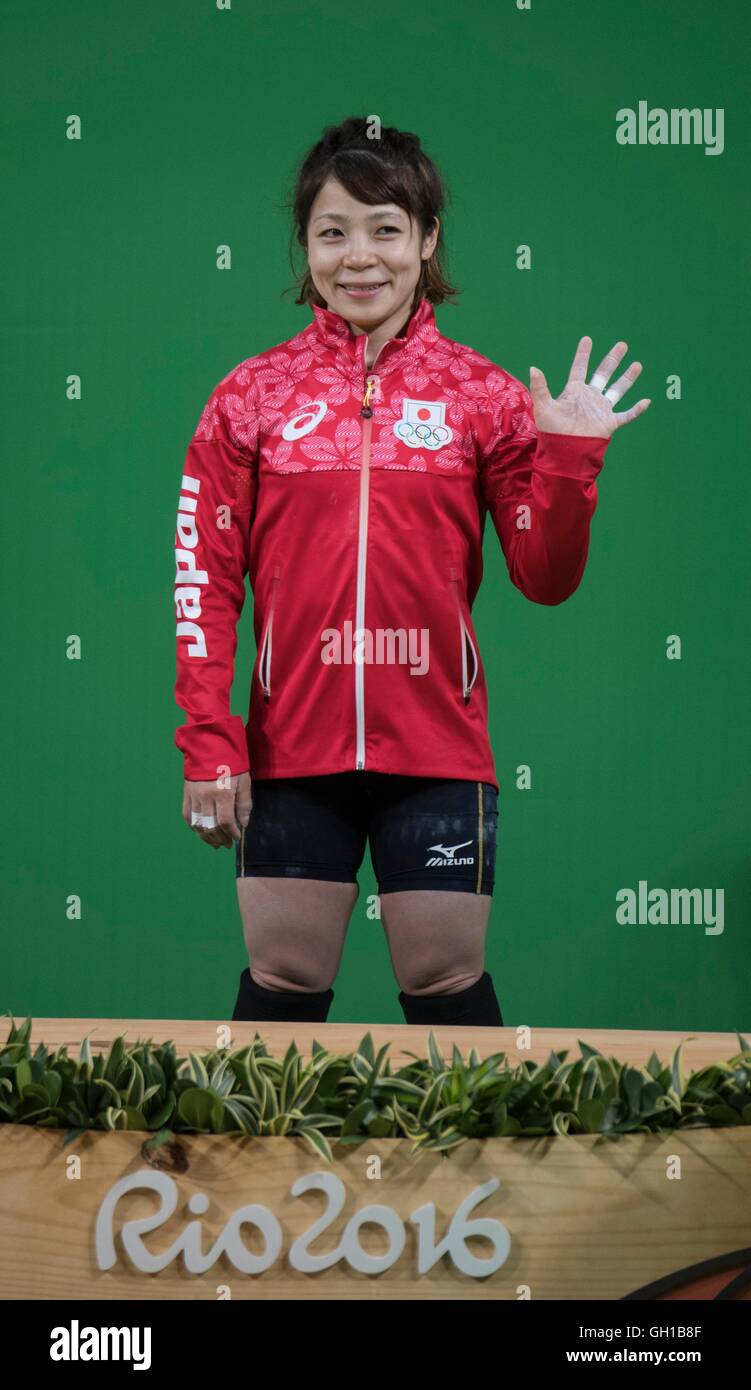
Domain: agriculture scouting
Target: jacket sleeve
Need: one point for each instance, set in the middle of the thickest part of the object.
(541, 492)
(212, 553)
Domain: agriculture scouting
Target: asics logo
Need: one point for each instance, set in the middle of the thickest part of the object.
(449, 855)
(304, 420)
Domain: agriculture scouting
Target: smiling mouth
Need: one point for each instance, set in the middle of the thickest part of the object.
(364, 290)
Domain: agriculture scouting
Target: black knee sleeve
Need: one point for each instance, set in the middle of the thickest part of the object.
(467, 1008)
(258, 1005)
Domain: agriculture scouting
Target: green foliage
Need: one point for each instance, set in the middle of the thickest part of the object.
(346, 1098)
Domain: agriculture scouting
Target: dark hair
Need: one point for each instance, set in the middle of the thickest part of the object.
(375, 165)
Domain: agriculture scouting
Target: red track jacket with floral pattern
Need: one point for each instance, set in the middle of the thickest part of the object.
(355, 501)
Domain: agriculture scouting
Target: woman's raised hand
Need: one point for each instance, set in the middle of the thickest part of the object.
(585, 407)
(217, 812)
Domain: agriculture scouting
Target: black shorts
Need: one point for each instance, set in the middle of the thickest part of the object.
(424, 832)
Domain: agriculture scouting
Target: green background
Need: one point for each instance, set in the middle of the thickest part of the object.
(193, 121)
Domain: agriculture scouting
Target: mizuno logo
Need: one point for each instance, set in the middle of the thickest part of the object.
(449, 855)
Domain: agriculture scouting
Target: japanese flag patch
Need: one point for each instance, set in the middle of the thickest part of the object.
(423, 425)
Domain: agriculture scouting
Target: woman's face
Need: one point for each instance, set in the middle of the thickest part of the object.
(364, 259)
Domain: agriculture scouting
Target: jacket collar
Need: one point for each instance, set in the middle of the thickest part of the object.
(334, 330)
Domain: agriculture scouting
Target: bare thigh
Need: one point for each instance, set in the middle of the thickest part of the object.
(294, 930)
(436, 939)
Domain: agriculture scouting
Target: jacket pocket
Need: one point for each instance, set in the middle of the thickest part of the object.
(265, 649)
(467, 650)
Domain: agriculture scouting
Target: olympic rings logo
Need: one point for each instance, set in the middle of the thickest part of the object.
(422, 436)
(422, 425)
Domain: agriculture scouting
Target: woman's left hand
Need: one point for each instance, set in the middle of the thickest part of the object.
(584, 408)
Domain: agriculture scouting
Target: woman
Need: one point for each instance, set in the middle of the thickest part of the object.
(348, 472)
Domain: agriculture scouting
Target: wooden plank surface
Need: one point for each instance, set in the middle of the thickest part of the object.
(700, 1049)
(587, 1217)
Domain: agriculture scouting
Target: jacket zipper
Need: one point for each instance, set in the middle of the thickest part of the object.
(366, 412)
(464, 638)
(264, 656)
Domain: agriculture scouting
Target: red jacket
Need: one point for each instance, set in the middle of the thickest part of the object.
(355, 500)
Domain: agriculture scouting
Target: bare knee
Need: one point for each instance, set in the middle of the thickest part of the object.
(294, 931)
(280, 980)
(437, 978)
(436, 939)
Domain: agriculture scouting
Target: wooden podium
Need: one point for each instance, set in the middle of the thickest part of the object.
(574, 1217)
